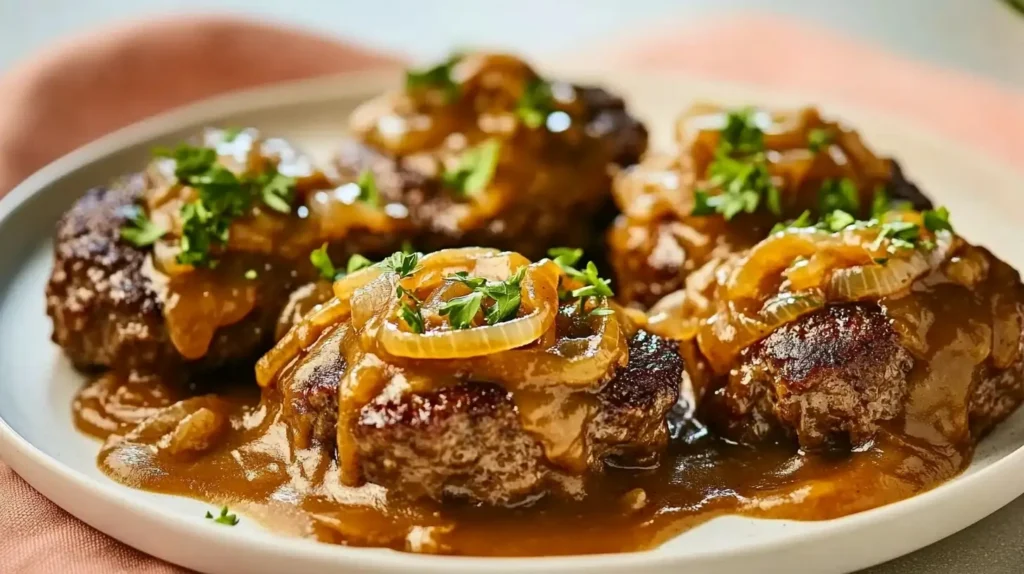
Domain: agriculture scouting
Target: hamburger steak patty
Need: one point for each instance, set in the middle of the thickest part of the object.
(835, 374)
(549, 212)
(105, 308)
(466, 441)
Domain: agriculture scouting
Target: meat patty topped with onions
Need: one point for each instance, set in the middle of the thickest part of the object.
(835, 332)
(187, 265)
(735, 176)
(473, 373)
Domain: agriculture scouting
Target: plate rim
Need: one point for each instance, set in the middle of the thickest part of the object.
(28, 460)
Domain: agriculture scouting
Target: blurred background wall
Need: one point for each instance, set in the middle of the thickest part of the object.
(981, 36)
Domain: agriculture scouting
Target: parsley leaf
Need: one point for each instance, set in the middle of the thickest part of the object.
(739, 170)
(322, 261)
(535, 104)
(276, 190)
(357, 263)
(224, 518)
(881, 203)
(140, 231)
(403, 264)
(474, 170)
(462, 310)
(803, 220)
(565, 256)
(506, 296)
(412, 316)
(368, 192)
(437, 77)
(594, 286)
(901, 235)
(937, 220)
(838, 220)
(741, 133)
(838, 194)
(818, 139)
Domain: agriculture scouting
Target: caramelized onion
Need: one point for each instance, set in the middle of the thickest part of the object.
(874, 280)
(771, 256)
(540, 289)
(299, 337)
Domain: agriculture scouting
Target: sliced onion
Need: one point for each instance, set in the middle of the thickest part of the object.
(787, 307)
(571, 363)
(540, 291)
(874, 280)
(347, 285)
(462, 344)
(300, 336)
(772, 256)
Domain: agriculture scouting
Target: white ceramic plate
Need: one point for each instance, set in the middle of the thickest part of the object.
(36, 383)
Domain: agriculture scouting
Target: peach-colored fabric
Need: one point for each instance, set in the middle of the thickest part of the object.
(93, 84)
(793, 56)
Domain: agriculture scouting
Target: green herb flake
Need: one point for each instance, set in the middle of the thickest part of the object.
(368, 192)
(741, 133)
(818, 139)
(322, 261)
(403, 264)
(462, 310)
(475, 169)
(937, 220)
(506, 296)
(838, 194)
(412, 317)
(804, 220)
(140, 231)
(357, 263)
(229, 134)
(251, 274)
(838, 220)
(224, 518)
(437, 77)
(565, 256)
(535, 104)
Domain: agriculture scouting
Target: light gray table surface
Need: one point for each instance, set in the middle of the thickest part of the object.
(979, 36)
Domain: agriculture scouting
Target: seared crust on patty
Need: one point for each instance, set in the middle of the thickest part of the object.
(466, 441)
(106, 310)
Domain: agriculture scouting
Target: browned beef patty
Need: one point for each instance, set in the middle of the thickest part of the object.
(105, 308)
(466, 441)
(571, 208)
(832, 377)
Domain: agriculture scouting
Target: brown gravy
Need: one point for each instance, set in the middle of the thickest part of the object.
(254, 469)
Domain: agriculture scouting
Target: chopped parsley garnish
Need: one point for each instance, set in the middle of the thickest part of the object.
(462, 310)
(504, 296)
(741, 134)
(535, 104)
(224, 518)
(475, 169)
(276, 190)
(222, 197)
(322, 261)
(357, 263)
(818, 139)
(438, 77)
(403, 264)
(838, 220)
(140, 231)
(368, 192)
(839, 194)
(740, 171)
(412, 316)
(901, 235)
(937, 220)
(593, 284)
(251, 274)
(229, 134)
(804, 220)
(881, 203)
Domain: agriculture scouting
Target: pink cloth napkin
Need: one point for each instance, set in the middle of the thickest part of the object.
(91, 85)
